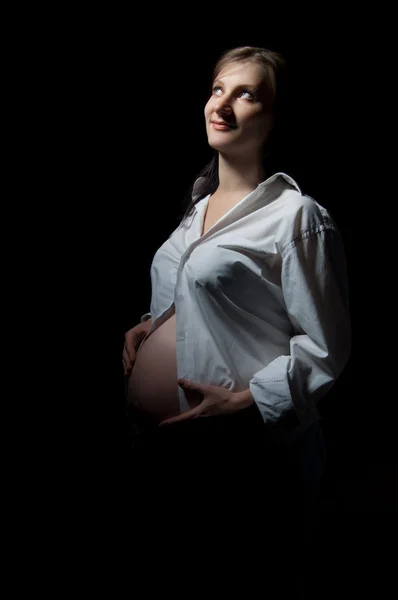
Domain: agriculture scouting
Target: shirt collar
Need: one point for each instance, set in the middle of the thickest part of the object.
(263, 184)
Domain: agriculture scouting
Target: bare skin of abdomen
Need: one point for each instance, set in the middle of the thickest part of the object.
(152, 386)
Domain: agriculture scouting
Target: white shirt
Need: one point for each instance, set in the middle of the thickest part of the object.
(261, 300)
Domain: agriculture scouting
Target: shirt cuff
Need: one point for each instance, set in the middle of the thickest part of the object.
(145, 317)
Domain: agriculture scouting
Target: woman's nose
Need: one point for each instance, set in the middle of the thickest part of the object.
(223, 105)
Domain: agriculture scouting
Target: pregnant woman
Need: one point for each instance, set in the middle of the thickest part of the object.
(249, 319)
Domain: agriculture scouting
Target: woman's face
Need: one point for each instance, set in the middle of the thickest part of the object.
(239, 99)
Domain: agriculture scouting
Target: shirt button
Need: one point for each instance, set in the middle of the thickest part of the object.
(180, 297)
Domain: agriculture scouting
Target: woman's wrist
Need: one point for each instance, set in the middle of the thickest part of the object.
(243, 399)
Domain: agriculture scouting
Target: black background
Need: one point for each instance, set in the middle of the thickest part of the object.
(134, 92)
(107, 136)
(123, 95)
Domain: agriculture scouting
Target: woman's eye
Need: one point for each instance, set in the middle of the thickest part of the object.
(246, 92)
(217, 87)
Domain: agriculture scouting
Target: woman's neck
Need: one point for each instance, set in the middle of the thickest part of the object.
(237, 177)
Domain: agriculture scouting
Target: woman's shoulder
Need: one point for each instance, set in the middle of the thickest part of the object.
(304, 207)
(297, 215)
(297, 204)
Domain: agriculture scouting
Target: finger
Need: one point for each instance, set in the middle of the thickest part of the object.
(127, 364)
(192, 385)
(190, 414)
(127, 370)
(124, 366)
(128, 358)
(129, 345)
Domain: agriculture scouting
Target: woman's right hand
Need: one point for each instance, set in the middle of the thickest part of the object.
(133, 339)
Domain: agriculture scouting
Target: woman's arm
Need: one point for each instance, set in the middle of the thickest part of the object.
(315, 290)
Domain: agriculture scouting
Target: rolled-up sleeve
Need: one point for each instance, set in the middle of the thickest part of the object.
(315, 291)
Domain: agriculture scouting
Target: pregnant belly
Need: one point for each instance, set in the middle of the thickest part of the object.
(152, 386)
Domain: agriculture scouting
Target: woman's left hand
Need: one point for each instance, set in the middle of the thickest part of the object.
(215, 401)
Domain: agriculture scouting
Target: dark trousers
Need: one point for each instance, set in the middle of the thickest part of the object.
(227, 459)
(217, 490)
